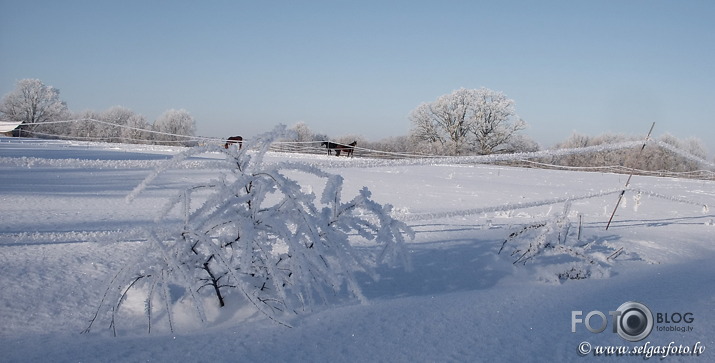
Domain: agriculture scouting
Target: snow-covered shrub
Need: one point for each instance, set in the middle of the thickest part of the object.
(258, 237)
(666, 153)
(553, 244)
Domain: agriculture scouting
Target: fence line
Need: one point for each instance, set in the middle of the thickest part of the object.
(619, 169)
(524, 159)
(187, 137)
(683, 153)
(112, 139)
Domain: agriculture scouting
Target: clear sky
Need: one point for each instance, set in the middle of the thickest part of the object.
(360, 67)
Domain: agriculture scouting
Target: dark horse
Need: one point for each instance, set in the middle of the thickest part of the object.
(233, 140)
(347, 149)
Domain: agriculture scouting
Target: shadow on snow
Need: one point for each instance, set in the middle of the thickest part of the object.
(459, 262)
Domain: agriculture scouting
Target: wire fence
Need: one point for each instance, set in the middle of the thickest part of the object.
(522, 159)
(182, 140)
(619, 169)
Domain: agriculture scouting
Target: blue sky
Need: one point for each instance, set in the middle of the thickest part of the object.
(360, 67)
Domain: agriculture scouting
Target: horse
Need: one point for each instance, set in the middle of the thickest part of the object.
(348, 149)
(233, 140)
(331, 146)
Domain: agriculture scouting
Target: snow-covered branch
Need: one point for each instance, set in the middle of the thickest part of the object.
(261, 238)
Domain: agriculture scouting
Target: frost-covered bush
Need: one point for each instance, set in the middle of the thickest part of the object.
(654, 157)
(260, 238)
(553, 245)
(559, 252)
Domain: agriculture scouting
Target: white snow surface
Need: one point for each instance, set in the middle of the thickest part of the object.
(66, 227)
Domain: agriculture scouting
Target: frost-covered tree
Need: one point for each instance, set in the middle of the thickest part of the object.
(302, 133)
(596, 158)
(257, 236)
(33, 103)
(173, 125)
(116, 124)
(394, 144)
(494, 121)
(124, 119)
(651, 158)
(445, 121)
(85, 127)
(657, 158)
(137, 130)
(521, 143)
(481, 121)
(306, 139)
(574, 141)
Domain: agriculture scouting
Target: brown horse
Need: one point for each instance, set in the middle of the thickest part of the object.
(233, 140)
(347, 149)
(331, 146)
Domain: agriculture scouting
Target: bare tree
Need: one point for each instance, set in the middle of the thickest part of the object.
(520, 144)
(84, 127)
(33, 103)
(467, 120)
(118, 116)
(173, 125)
(494, 121)
(444, 121)
(136, 130)
(129, 125)
(302, 133)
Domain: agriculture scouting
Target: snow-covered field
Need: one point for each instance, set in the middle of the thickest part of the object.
(63, 207)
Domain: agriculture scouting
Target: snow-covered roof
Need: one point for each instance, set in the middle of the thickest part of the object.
(7, 126)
